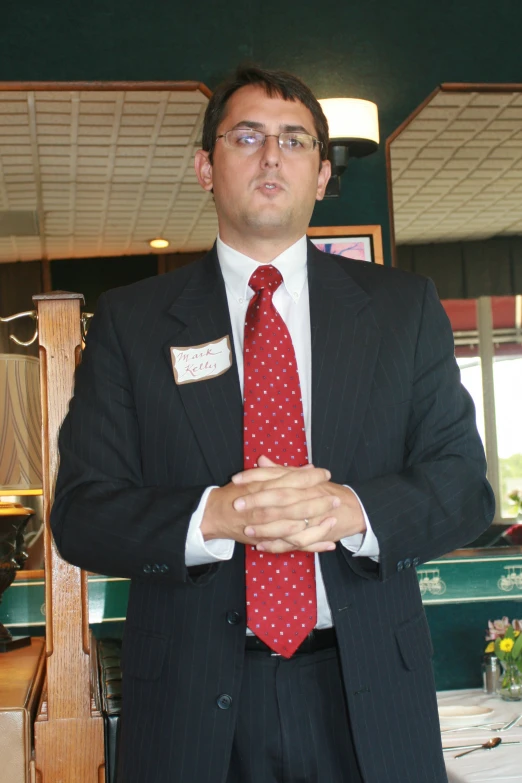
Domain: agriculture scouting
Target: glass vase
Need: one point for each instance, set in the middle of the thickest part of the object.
(509, 685)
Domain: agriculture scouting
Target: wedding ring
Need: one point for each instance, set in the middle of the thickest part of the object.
(307, 522)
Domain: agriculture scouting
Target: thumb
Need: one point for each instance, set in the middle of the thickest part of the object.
(265, 462)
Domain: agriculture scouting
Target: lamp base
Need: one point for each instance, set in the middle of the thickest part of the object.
(14, 643)
(333, 189)
(339, 153)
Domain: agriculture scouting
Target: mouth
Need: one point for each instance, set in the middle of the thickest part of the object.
(270, 187)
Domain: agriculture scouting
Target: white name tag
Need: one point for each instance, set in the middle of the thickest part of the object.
(199, 362)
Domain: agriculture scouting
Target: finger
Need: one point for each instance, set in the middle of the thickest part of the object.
(266, 469)
(264, 519)
(322, 532)
(283, 546)
(288, 529)
(300, 478)
(260, 479)
(261, 474)
(322, 546)
(266, 462)
(269, 502)
(281, 529)
(315, 540)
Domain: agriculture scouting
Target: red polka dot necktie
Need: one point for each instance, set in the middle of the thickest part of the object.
(280, 588)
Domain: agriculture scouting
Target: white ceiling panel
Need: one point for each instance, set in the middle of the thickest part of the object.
(105, 171)
(457, 169)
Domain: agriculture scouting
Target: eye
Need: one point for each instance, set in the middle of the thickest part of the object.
(246, 138)
(295, 141)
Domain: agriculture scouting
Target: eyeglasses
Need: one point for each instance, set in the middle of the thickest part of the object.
(247, 141)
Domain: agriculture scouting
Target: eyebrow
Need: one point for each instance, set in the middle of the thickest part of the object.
(261, 127)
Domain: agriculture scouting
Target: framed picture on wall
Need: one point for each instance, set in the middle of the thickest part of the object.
(362, 243)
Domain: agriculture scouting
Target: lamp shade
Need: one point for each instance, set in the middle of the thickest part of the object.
(351, 118)
(20, 423)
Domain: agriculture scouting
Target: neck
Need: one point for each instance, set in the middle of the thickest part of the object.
(260, 249)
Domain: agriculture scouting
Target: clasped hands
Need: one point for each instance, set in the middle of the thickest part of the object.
(281, 509)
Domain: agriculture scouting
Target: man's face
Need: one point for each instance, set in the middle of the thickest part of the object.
(268, 193)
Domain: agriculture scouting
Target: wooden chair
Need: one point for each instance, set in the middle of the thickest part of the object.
(68, 730)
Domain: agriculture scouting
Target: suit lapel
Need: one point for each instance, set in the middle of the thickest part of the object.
(345, 344)
(214, 406)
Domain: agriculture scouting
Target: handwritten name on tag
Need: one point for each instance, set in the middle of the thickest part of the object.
(200, 362)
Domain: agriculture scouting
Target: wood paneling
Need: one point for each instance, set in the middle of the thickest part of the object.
(69, 743)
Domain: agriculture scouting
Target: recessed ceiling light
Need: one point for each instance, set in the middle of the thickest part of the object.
(159, 243)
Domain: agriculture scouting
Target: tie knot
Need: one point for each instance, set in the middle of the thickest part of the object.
(265, 276)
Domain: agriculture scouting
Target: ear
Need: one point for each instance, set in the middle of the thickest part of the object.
(324, 175)
(203, 169)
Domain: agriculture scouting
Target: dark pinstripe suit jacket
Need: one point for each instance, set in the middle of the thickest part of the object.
(389, 417)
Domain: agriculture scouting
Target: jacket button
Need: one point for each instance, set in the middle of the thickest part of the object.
(147, 568)
(164, 568)
(155, 569)
(233, 618)
(416, 561)
(407, 563)
(224, 701)
(400, 565)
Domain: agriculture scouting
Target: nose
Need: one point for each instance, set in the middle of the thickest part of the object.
(271, 153)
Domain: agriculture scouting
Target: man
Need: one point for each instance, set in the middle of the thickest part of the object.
(275, 630)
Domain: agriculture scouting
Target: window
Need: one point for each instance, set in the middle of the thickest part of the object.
(488, 349)
(507, 375)
(471, 376)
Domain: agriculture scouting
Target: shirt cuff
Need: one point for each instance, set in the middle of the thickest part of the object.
(363, 544)
(197, 550)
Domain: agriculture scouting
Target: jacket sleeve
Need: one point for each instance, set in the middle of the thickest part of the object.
(441, 500)
(104, 519)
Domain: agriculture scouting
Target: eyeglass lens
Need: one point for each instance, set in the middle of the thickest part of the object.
(248, 140)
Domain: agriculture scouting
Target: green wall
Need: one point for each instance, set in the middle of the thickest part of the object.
(394, 52)
(457, 632)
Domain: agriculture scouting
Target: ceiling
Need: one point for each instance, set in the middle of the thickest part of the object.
(97, 172)
(457, 169)
(87, 173)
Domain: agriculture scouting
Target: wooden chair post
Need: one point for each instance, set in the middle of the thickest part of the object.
(69, 743)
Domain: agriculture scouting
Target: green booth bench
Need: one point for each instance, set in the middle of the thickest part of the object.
(460, 591)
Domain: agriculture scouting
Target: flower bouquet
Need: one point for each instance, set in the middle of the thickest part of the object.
(505, 641)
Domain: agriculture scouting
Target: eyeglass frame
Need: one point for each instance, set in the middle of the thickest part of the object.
(317, 142)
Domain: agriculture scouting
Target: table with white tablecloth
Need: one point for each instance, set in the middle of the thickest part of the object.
(502, 764)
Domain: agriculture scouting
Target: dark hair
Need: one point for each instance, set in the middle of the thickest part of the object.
(279, 83)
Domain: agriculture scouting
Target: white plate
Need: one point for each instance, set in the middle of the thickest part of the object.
(461, 715)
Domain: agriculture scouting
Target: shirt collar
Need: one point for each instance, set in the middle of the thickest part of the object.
(237, 269)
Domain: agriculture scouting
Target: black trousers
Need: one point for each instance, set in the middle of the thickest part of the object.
(293, 724)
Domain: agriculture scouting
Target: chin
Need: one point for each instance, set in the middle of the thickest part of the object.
(268, 219)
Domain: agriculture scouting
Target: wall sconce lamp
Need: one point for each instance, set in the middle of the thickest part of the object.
(354, 133)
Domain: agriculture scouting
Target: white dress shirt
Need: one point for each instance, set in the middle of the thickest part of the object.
(292, 302)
